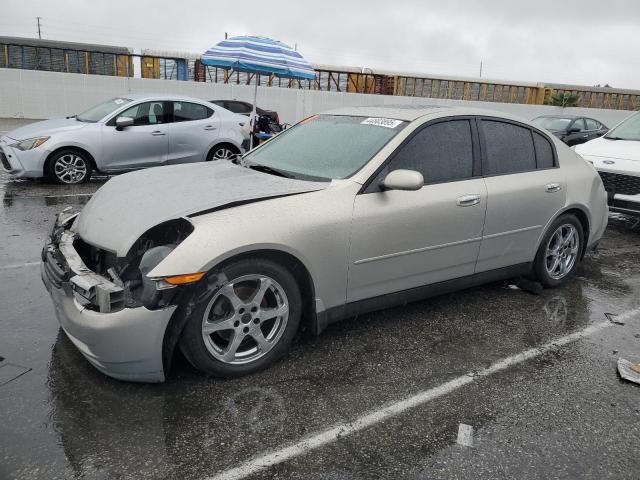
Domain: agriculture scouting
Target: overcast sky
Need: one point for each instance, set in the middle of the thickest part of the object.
(574, 41)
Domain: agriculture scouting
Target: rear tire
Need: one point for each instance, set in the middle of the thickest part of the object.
(246, 324)
(560, 251)
(69, 167)
(224, 151)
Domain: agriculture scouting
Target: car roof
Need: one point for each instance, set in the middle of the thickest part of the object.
(161, 96)
(572, 117)
(411, 112)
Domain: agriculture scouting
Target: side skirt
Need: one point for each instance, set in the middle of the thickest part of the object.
(341, 312)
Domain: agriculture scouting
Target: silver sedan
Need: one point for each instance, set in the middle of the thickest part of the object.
(122, 134)
(346, 212)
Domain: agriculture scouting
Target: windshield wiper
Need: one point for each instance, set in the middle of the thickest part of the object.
(272, 171)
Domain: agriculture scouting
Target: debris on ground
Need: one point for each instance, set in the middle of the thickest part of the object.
(612, 318)
(465, 435)
(628, 370)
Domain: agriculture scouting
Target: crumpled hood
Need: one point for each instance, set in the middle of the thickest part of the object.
(128, 205)
(45, 128)
(601, 147)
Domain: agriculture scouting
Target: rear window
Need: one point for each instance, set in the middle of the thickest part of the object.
(544, 151)
(186, 111)
(509, 148)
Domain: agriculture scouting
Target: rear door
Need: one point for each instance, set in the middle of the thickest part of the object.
(593, 128)
(405, 239)
(193, 131)
(144, 144)
(525, 190)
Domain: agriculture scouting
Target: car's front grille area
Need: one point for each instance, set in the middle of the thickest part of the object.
(5, 162)
(623, 184)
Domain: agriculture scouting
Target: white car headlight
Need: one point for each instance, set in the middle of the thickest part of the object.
(30, 143)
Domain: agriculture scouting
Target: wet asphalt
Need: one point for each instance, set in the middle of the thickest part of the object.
(563, 414)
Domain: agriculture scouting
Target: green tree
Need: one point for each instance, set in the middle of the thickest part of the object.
(565, 99)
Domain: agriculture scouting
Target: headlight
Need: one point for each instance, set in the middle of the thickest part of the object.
(30, 143)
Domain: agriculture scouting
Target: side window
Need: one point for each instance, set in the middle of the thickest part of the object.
(592, 124)
(544, 151)
(579, 123)
(148, 113)
(509, 148)
(442, 152)
(187, 111)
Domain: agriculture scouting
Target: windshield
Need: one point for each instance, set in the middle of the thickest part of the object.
(629, 129)
(101, 110)
(552, 123)
(326, 146)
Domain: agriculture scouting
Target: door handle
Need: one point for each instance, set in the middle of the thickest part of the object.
(209, 127)
(468, 200)
(157, 133)
(553, 187)
(585, 136)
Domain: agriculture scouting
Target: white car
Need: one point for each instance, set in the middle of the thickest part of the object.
(122, 134)
(616, 156)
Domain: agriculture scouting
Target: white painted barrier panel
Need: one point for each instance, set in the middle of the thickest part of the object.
(39, 95)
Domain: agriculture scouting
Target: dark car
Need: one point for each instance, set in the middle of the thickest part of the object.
(571, 129)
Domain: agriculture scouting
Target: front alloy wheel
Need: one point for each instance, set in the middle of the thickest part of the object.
(244, 324)
(245, 319)
(70, 167)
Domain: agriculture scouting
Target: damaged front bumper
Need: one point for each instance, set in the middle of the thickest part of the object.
(122, 342)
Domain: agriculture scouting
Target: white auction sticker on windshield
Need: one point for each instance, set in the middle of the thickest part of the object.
(382, 122)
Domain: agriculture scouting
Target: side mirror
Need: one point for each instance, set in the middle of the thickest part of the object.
(574, 130)
(122, 122)
(403, 180)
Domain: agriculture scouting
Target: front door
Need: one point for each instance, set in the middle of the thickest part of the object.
(143, 144)
(405, 239)
(577, 133)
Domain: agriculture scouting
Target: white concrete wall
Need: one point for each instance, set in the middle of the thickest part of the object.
(32, 94)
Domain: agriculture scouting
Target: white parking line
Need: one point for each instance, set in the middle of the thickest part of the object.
(343, 429)
(54, 195)
(19, 265)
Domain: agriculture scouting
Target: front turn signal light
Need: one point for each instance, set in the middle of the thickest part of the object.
(184, 279)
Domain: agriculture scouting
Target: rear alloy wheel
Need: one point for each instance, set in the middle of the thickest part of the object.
(560, 251)
(69, 167)
(221, 152)
(246, 324)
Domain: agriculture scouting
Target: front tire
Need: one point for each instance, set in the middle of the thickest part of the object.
(69, 167)
(246, 324)
(559, 252)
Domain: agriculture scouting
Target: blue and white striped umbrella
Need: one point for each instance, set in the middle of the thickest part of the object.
(259, 55)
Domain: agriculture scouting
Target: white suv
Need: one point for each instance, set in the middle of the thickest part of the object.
(616, 156)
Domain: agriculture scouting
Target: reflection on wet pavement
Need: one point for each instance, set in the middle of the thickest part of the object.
(69, 421)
